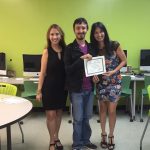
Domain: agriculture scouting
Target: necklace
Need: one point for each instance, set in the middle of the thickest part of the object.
(58, 50)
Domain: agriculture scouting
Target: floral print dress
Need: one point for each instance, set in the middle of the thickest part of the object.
(109, 88)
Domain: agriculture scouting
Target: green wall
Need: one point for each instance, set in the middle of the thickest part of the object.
(24, 23)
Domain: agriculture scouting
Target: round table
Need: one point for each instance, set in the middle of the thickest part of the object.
(12, 110)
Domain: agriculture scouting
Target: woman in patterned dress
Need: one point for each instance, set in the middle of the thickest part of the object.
(108, 85)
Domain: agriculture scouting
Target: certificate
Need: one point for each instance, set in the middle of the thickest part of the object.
(95, 66)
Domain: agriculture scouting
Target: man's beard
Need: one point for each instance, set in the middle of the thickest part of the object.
(81, 37)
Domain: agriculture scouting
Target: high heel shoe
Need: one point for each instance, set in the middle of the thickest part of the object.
(58, 145)
(103, 143)
(111, 145)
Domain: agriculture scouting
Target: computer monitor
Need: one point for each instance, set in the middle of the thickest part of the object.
(145, 60)
(124, 68)
(3, 70)
(31, 65)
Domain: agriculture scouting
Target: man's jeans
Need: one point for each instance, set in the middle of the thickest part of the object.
(82, 111)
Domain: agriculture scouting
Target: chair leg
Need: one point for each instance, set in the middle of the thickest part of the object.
(98, 121)
(131, 109)
(126, 109)
(144, 133)
(138, 109)
(21, 122)
(21, 132)
(71, 109)
(70, 120)
(141, 119)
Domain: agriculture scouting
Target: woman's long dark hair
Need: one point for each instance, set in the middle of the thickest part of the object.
(93, 41)
(62, 41)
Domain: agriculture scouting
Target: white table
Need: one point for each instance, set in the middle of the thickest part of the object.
(12, 110)
(16, 81)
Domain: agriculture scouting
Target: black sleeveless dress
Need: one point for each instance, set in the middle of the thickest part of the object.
(53, 91)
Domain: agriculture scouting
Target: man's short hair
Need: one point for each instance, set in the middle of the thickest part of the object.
(80, 21)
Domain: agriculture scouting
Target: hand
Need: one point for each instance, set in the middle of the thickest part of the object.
(109, 73)
(108, 62)
(86, 56)
(39, 97)
(95, 79)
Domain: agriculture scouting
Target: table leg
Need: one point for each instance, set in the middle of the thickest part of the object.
(9, 138)
(134, 99)
(0, 142)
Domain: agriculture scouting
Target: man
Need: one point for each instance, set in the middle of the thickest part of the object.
(80, 86)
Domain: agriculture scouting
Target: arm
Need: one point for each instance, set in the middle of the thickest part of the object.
(121, 55)
(71, 66)
(123, 60)
(42, 73)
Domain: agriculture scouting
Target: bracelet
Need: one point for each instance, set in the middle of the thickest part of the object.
(38, 92)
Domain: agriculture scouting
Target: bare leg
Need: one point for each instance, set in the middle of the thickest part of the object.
(58, 122)
(103, 113)
(51, 125)
(112, 121)
(112, 117)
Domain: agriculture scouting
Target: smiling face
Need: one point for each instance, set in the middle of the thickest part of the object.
(99, 35)
(54, 36)
(80, 31)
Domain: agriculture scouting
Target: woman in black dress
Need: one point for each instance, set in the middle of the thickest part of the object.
(52, 83)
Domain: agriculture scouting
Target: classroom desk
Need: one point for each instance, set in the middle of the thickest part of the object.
(12, 110)
(18, 81)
